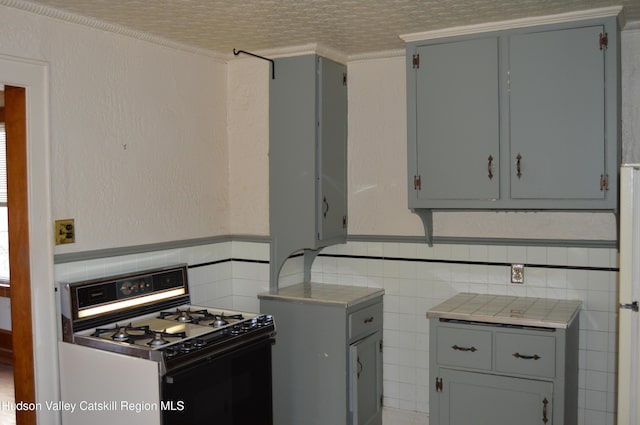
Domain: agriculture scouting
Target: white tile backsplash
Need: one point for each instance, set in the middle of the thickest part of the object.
(411, 288)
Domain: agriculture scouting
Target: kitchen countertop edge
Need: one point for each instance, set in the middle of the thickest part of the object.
(296, 294)
(440, 312)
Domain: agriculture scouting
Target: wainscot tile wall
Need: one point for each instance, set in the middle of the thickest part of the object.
(415, 277)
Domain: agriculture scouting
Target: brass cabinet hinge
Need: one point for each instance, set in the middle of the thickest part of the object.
(417, 182)
(416, 61)
(604, 40)
(604, 182)
(439, 384)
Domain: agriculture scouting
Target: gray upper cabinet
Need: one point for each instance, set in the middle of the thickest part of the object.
(524, 118)
(307, 156)
(557, 105)
(458, 129)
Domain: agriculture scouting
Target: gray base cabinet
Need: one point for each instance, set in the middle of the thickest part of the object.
(327, 359)
(490, 373)
(525, 118)
(476, 398)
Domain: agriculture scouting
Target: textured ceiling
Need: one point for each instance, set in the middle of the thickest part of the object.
(351, 27)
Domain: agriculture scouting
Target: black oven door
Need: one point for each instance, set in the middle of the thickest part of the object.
(230, 389)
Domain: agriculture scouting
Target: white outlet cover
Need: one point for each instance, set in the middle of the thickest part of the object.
(517, 273)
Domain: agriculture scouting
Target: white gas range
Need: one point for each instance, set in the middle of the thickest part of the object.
(135, 349)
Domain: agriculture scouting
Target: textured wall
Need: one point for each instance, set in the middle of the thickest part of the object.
(377, 158)
(378, 173)
(248, 109)
(631, 95)
(138, 133)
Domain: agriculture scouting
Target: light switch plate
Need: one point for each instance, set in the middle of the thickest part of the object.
(517, 273)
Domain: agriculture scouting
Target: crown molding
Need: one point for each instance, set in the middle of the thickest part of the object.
(518, 23)
(328, 52)
(74, 18)
(384, 54)
(304, 49)
(633, 25)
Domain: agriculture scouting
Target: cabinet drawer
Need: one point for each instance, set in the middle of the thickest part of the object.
(526, 354)
(464, 348)
(365, 321)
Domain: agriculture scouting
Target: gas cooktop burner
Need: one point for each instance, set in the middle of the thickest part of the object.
(186, 316)
(157, 340)
(131, 334)
(197, 316)
(222, 320)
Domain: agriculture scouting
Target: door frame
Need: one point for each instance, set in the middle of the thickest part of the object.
(18, 219)
(39, 295)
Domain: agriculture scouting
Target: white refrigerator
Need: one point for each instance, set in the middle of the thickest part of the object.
(629, 295)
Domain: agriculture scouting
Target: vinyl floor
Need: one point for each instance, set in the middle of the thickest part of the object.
(7, 416)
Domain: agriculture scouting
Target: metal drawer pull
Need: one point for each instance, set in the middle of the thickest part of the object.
(369, 320)
(525, 357)
(489, 167)
(519, 158)
(325, 207)
(458, 348)
(545, 419)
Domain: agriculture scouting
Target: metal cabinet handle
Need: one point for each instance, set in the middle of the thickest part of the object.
(368, 320)
(518, 168)
(490, 167)
(545, 402)
(525, 357)
(325, 208)
(458, 348)
(360, 367)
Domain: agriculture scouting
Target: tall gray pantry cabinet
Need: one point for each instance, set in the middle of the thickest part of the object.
(307, 157)
(524, 118)
(327, 360)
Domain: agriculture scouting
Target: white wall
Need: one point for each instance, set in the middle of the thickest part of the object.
(90, 95)
(138, 133)
(248, 109)
(377, 152)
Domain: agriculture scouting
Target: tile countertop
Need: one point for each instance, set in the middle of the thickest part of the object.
(504, 309)
(323, 293)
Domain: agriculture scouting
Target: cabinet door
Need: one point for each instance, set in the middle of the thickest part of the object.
(457, 123)
(557, 102)
(365, 358)
(332, 150)
(478, 398)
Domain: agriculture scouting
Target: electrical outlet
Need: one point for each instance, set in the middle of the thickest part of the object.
(64, 231)
(517, 273)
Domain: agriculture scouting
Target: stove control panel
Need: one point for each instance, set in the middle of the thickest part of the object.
(107, 298)
(135, 286)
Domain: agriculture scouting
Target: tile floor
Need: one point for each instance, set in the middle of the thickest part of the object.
(392, 416)
(7, 416)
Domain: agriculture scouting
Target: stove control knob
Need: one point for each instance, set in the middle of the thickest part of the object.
(126, 288)
(170, 352)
